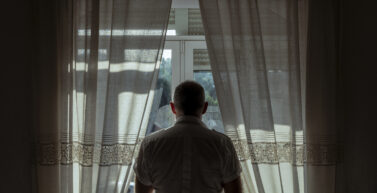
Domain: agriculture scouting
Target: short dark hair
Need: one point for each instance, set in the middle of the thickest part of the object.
(189, 97)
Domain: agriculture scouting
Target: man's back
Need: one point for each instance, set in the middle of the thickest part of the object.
(187, 157)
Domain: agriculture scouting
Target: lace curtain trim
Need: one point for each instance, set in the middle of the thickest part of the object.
(123, 154)
(287, 152)
(86, 154)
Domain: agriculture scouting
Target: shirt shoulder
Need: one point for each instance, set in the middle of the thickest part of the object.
(221, 136)
(154, 136)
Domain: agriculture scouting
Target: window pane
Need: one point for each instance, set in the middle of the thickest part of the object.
(185, 22)
(203, 75)
(161, 115)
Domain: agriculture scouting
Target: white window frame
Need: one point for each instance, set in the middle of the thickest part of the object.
(182, 56)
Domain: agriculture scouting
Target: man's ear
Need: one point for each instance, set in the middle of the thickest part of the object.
(205, 107)
(173, 107)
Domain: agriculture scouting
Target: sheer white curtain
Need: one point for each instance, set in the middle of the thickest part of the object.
(257, 52)
(94, 87)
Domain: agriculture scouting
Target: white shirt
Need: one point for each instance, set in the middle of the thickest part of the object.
(187, 158)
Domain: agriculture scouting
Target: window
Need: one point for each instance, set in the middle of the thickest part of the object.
(185, 57)
(182, 60)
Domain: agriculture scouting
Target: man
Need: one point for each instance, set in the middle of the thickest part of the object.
(188, 157)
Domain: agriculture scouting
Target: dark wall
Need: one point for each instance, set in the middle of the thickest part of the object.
(16, 95)
(359, 80)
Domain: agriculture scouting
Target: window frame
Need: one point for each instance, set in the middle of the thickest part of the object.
(182, 56)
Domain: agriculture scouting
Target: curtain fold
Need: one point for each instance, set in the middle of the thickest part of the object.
(323, 98)
(257, 50)
(95, 82)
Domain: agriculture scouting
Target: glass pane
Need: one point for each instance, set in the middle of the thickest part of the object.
(161, 115)
(185, 22)
(203, 75)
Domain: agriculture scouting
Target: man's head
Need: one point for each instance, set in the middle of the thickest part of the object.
(189, 99)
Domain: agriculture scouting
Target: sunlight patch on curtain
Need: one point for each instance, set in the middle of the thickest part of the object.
(131, 32)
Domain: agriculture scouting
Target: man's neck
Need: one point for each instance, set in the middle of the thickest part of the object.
(182, 115)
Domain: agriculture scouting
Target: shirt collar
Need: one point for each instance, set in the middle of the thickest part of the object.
(189, 118)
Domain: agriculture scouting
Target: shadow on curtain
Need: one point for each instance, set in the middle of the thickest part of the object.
(258, 58)
(94, 90)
